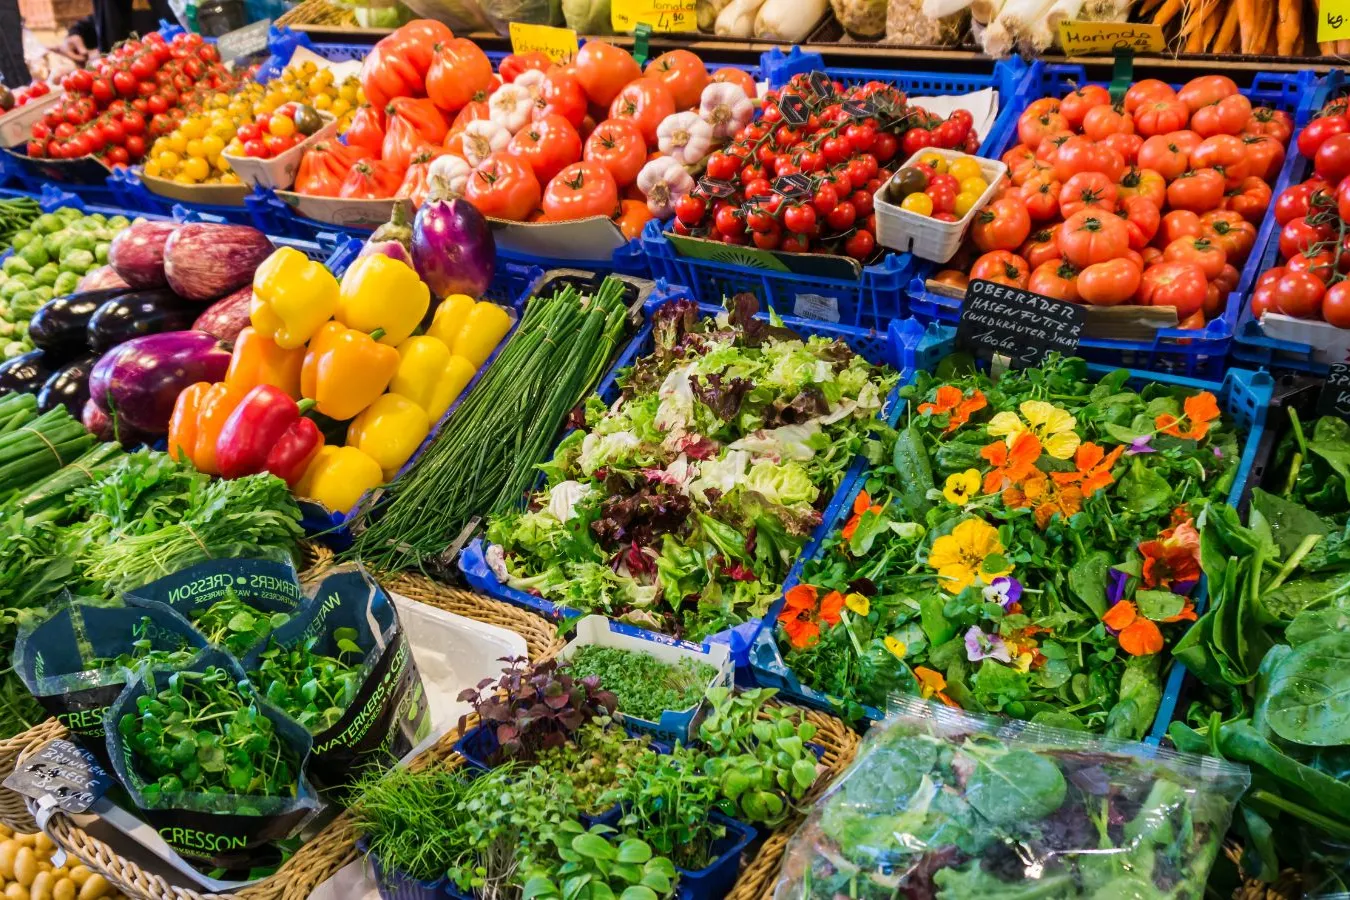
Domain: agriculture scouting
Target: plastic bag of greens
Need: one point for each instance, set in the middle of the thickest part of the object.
(501, 13)
(343, 669)
(944, 804)
(589, 17)
(212, 767)
(234, 603)
(78, 660)
(460, 15)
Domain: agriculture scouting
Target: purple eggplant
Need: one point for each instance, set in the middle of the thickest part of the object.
(392, 239)
(137, 253)
(204, 261)
(102, 277)
(453, 248)
(68, 386)
(138, 313)
(227, 316)
(61, 326)
(141, 379)
(24, 374)
(101, 426)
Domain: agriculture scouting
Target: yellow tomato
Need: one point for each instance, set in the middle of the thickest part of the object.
(964, 202)
(340, 107)
(965, 167)
(975, 185)
(168, 159)
(918, 202)
(933, 161)
(323, 101)
(281, 126)
(152, 168)
(193, 127)
(229, 178)
(213, 144)
(347, 92)
(195, 150)
(196, 168)
(177, 142)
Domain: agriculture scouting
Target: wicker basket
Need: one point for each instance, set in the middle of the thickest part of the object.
(1288, 886)
(334, 847)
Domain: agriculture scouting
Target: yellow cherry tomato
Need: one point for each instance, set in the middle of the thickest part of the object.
(965, 167)
(195, 149)
(975, 185)
(196, 168)
(281, 126)
(918, 202)
(934, 161)
(178, 141)
(168, 159)
(965, 201)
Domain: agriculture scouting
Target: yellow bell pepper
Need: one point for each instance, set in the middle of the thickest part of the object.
(292, 297)
(484, 328)
(338, 476)
(383, 293)
(389, 431)
(450, 316)
(345, 370)
(429, 375)
(258, 360)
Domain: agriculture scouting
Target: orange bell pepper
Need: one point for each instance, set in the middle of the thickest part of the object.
(258, 360)
(198, 416)
(346, 370)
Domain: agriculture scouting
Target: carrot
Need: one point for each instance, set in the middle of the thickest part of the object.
(1211, 26)
(1167, 12)
(1145, 7)
(1246, 24)
(1290, 26)
(1223, 43)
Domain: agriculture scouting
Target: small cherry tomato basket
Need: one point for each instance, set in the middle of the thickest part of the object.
(279, 171)
(924, 236)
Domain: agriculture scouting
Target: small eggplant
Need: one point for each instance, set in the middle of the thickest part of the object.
(138, 313)
(60, 326)
(68, 387)
(24, 374)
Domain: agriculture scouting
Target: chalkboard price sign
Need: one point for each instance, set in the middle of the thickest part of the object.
(1335, 397)
(68, 774)
(999, 320)
(244, 41)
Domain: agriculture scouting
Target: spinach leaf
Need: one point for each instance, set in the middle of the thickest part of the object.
(1159, 605)
(1314, 623)
(914, 471)
(1015, 788)
(1139, 696)
(1143, 490)
(1331, 442)
(1309, 700)
(1087, 580)
(1290, 522)
(1292, 598)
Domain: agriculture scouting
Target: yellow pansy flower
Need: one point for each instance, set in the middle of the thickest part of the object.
(959, 557)
(1054, 427)
(858, 603)
(1023, 662)
(897, 647)
(962, 486)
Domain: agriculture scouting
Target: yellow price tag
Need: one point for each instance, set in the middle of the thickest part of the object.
(558, 44)
(1102, 38)
(1333, 20)
(661, 15)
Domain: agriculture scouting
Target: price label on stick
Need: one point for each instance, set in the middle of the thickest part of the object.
(716, 188)
(244, 41)
(1082, 38)
(661, 15)
(558, 44)
(70, 775)
(794, 110)
(793, 187)
(1333, 20)
(1335, 397)
(998, 320)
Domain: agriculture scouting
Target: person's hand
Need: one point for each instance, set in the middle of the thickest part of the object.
(74, 48)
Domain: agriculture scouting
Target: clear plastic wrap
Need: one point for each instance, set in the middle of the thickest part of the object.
(944, 804)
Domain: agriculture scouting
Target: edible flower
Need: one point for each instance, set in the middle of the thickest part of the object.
(830, 606)
(1011, 463)
(1045, 497)
(932, 684)
(955, 405)
(1173, 558)
(1094, 469)
(800, 613)
(1003, 590)
(985, 646)
(1140, 445)
(962, 486)
(897, 647)
(1053, 426)
(861, 504)
(1138, 636)
(966, 554)
(1199, 411)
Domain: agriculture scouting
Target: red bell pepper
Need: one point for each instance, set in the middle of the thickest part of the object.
(268, 432)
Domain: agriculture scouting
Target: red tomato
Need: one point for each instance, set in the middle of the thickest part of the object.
(1145, 183)
(1234, 234)
(1177, 284)
(1198, 190)
(1228, 279)
(1078, 154)
(1263, 300)
(1145, 90)
(1164, 155)
(1322, 265)
(1032, 128)
(1087, 190)
(547, 145)
(1050, 144)
(1332, 160)
(603, 70)
(1002, 267)
(1336, 304)
(1208, 255)
(683, 74)
(1299, 294)
(1206, 90)
(503, 187)
(1297, 236)
(1265, 155)
(1127, 145)
(739, 77)
(647, 102)
(1076, 104)
(1101, 121)
(1160, 117)
(1040, 194)
(1273, 123)
(1055, 278)
(1040, 246)
(617, 145)
(1315, 133)
(561, 94)
(579, 191)
(460, 73)
(1002, 225)
(1227, 116)
(1108, 283)
(1224, 153)
(1250, 199)
(1090, 236)
(1142, 220)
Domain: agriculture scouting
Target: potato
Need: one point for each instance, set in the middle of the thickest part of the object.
(42, 843)
(6, 831)
(79, 875)
(16, 891)
(97, 886)
(41, 888)
(26, 840)
(25, 866)
(64, 889)
(9, 850)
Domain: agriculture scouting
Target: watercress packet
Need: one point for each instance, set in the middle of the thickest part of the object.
(216, 770)
(77, 661)
(234, 603)
(943, 803)
(343, 668)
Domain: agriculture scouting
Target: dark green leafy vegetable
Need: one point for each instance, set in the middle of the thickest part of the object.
(644, 685)
(310, 687)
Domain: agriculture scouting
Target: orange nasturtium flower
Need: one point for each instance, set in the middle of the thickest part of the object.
(1011, 463)
(1174, 557)
(932, 684)
(830, 606)
(1199, 411)
(861, 504)
(958, 407)
(1138, 636)
(1046, 497)
(1094, 469)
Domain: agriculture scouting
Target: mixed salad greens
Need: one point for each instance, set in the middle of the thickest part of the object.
(681, 506)
(944, 804)
(1028, 550)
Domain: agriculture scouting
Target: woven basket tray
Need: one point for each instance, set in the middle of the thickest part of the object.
(334, 847)
(1288, 886)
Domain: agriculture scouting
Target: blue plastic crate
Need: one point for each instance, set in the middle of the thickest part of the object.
(1251, 346)
(1194, 352)
(1244, 395)
(875, 347)
(877, 295)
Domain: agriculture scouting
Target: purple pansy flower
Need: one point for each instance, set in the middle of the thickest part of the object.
(1218, 454)
(1004, 590)
(985, 646)
(1116, 582)
(1140, 445)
